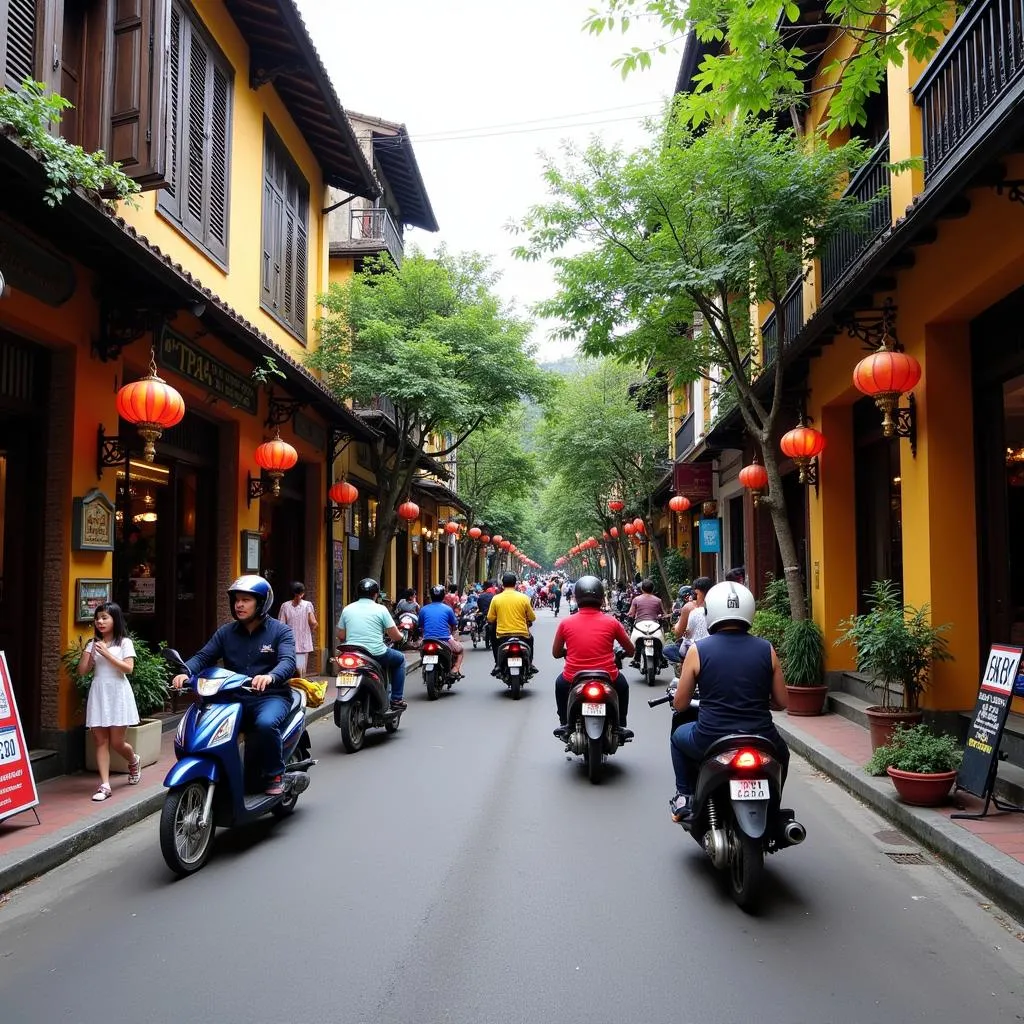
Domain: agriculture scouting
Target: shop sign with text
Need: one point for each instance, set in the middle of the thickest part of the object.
(186, 358)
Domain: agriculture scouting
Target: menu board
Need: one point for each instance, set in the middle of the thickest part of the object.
(989, 719)
(17, 786)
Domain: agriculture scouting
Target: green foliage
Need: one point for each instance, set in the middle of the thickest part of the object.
(803, 653)
(267, 371)
(148, 679)
(758, 64)
(775, 597)
(916, 749)
(771, 626)
(677, 572)
(896, 644)
(30, 115)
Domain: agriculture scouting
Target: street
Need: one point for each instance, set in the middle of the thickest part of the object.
(462, 871)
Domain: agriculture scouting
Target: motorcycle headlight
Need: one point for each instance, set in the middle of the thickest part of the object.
(208, 687)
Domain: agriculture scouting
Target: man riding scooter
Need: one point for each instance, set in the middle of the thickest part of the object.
(364, 623)
(256, 645)
(511, 613)
(438, 622)
(646, 607)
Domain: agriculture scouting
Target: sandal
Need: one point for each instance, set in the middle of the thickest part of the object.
(681, 806)
(103, 793)
(135, 771)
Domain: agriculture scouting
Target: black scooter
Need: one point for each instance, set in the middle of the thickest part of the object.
(514, 665)
(736, 816)
(436, 668)
(592, 714)
(362, 697)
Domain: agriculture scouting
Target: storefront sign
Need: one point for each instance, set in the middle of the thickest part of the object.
(693, 480)
(710, 536)
(981, 751)
(89, 595)
(17, 786)
(309, 430)
(186, 358)
(31, 269)
(92, 525)
(142, 595)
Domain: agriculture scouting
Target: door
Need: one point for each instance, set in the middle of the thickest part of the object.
(283, 528)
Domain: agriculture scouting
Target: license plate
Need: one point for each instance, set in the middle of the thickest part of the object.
(649, 644)
(515, 662)
(597, 710)
(514, 670)
(430, 659)
(748, 789)
(346, 679)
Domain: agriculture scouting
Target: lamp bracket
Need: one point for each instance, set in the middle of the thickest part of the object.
(906, 423)
(1014, 188)
(339, 442)
(281, 410)
(121, 324)
(334, 513)
(811, 474)
(255, 488)
(872, 325)
(110, 451)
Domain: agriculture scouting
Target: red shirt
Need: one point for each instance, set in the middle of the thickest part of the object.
(589, 636)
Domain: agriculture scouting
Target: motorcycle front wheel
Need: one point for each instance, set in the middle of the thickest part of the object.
(353, 727)
(746, 870)
(184, 844)
(595, 759)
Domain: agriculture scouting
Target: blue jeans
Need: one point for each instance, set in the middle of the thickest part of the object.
(688, 746)
(262, 717)
(673, 653)
(394, 662)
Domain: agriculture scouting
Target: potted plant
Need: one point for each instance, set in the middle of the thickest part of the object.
(921, 764)
(896, 645)
(148, 681)
(803, 661)
(773, 615)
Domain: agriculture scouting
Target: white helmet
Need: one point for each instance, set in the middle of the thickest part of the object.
(729, 604)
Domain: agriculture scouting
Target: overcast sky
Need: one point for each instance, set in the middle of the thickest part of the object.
(482, 68)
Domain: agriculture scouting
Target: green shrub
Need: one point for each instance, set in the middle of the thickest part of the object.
(771, 626)
(775, 598)
(803, 652)
(149, 678)
(677, 571)
(917, 749)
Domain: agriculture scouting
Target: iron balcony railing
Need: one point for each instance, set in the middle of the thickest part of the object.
(975, 70)
(685, 436)
(379, 404)
(376, 225)
(869, 185)
(793, 303)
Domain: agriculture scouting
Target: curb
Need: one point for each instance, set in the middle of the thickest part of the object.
(998, 875)
(56, 849)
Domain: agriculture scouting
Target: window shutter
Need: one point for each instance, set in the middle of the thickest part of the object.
(195, 155)
(301, 257)
(267, 283)
(288, 291)
(138, 136)
(169, 196)
(217, 207)
(18, 42)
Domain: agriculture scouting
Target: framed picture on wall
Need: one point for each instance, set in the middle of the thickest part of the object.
(251, 547)
(89, 595)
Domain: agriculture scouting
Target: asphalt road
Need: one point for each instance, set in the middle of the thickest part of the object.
(463, 871)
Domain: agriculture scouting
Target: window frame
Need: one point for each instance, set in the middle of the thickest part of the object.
(173, 210)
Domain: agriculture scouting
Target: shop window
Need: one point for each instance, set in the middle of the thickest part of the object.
(283, 287)
(198, 136)
(19, 20)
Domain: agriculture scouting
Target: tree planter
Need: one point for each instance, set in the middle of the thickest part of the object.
(805, 701)
(144, 738)
(881, 722)
(922, 790)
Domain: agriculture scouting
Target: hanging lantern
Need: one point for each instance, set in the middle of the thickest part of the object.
(802, 444)
(343, 493)
(639, 526)
(151, 405)
(605, 535)
(679, 504)
(275, 457)
(629, 529)
(485, 538)
(614, 531)
(450, 527)
(616, 506)
(755, 478)
(408, 511)
(884, 376)
(497, 538)
(475, 532)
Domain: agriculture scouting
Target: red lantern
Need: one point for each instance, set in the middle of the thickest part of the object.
(638, 525)
(884, 376)
(605, 535)
(629, 529)
(505, 545)
(475, 532)
(679, 504)
(451, 526)
(275, 457)
(497, 538)
(614, 531)
(616, 506)
(152, 405)
(802, 444)
(485, 538)
(343, 493)
(755, 478)
(408, 511)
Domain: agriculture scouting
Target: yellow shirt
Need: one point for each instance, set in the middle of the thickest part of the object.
(513, 612)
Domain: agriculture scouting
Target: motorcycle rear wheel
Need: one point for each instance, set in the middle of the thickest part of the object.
(517, 687)
(184, 845)
(746, 870)
(595, 759)
(430, 678)
(652, 672)
(353, 727)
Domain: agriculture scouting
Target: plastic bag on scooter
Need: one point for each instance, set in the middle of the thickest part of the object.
(315, 692)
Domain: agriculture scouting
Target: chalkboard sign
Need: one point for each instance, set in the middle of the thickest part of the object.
(981, 753)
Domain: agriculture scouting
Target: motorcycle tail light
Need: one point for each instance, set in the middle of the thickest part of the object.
(745, 757)
(350, 661)
(514, 649)
(593, 691)
(431, 647)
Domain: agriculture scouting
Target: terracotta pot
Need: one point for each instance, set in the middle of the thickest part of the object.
(921, 789)
(805, 701)
(145, 739)
(881, 722)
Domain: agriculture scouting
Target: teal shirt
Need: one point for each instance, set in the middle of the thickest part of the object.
(365, 622)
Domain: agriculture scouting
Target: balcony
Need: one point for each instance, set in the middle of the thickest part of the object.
(685, 437)
(845, 248)
(370, 232)
(379, 406)
(793, 304)
(972, 80)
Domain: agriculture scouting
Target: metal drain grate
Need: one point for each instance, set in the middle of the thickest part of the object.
(906, 858)
(892, 837)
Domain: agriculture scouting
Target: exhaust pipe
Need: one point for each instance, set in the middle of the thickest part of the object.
(794, 833)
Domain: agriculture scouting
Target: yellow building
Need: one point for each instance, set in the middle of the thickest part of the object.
(225, 114)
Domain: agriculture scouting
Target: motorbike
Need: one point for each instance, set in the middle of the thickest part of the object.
(649, 646)
(362, 697)
(408, 626)
(213, 783)
(592, 714)
(514, 663)
(476, 629)
(736, 816)
(436, 668)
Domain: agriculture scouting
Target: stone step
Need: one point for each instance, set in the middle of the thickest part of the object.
(45, 764)
(849, 706)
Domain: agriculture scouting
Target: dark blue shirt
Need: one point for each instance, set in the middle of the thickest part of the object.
(436, 620)
(483, 603)
(269, 650)
(735, 682)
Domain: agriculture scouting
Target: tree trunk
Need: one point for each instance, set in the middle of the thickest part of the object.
(387, 527)
(652, 540)
(783, 534)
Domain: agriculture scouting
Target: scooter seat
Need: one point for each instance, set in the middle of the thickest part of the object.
(741, 739)
(591, 675)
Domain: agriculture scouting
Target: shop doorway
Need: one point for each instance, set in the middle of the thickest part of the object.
(736, 555)
(283, 555)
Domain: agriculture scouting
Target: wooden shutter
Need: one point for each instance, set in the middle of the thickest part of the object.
(301, 275)
(141, 31)
(287, 309)
(18, 27)
(194, 157)
(219, 141)
(174, 51)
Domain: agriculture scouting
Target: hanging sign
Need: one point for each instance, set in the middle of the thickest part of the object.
(185, 357)
(17, 786)
(694, 480)
(710, 536)
(981, 752)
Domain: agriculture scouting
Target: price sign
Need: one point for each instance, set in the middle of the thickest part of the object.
(17, 786)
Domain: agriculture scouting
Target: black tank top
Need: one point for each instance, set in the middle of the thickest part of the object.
(735, 684)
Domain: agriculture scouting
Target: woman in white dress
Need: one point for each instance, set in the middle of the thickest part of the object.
(111, 706)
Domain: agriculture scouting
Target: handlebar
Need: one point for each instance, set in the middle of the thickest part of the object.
(660, 700)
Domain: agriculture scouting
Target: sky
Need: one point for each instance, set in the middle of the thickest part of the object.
(481, 68)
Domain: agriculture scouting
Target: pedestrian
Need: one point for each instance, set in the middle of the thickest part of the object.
(738, 574)
(299, 614)
(111, 706)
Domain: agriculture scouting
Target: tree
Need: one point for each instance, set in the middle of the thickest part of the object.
(431, 337)
(678, 238)
(761, 64)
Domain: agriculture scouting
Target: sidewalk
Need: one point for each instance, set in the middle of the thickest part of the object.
(989, 852)
(71, 822)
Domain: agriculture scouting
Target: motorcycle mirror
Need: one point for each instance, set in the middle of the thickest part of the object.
(174, 659)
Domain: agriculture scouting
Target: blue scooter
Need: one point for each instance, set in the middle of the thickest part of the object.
(212, 784)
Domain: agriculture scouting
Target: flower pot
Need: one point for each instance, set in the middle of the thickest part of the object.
(805, 701)
(144, 738)
(882, 721)
(922, 789)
